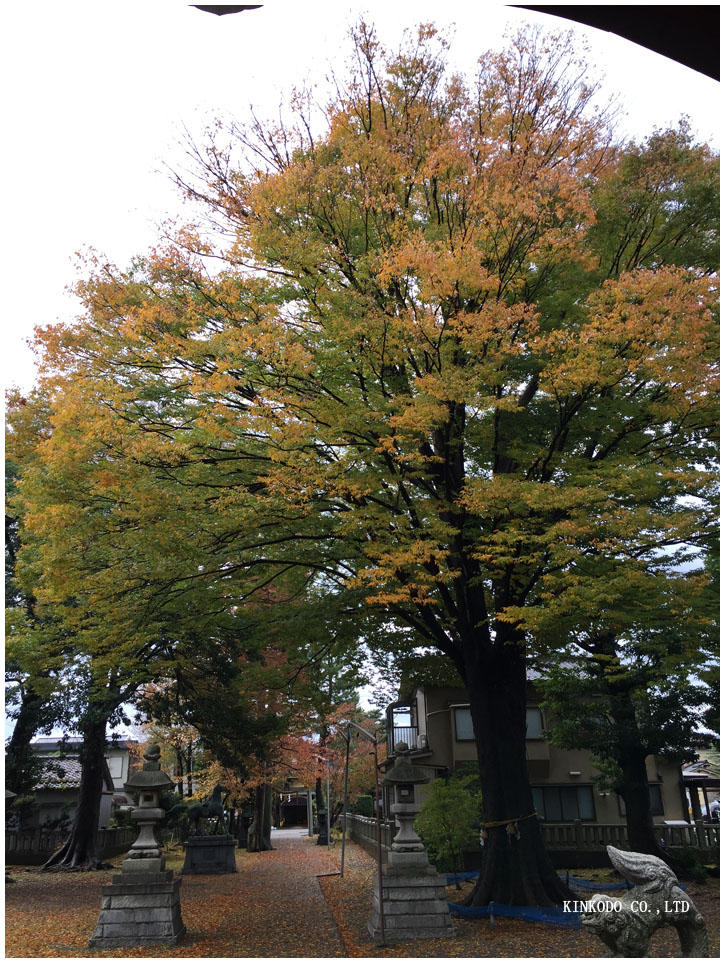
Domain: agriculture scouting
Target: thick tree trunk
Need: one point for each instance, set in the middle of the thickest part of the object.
(20, 764)
(267, 820)
(515, 868)
(259, 834)
(80, 850)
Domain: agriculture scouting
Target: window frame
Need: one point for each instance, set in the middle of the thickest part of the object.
(540, 737)
(454, 710)
(454, 707)
(558, 787)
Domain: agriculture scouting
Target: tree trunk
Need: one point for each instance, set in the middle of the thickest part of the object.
(80, 850)
(189, 774)
(634, 789)
(634, 783)
(267, 818)
(179, 773)
(20, 764)
(319, 799)
(515, 867)
(259, 834)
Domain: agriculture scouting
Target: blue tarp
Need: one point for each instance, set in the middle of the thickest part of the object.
(471, 874)
(576, 882)
(534, 914)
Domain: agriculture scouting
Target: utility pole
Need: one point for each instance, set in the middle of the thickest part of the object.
(372, 737)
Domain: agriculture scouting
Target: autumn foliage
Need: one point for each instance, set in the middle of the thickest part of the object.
(428, 372)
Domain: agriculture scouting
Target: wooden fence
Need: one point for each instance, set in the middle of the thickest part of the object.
(594, 836)
(34, 848)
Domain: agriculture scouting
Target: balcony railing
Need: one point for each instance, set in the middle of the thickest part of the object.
(406, 734)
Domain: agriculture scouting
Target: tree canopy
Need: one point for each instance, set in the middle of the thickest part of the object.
(454, 363)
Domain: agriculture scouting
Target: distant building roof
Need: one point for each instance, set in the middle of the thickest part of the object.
(706, 767)
(60, 773)
(65, 773)
(73, 743)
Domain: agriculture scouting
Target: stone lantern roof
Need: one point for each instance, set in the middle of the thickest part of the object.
(150, 777)
(402, 770)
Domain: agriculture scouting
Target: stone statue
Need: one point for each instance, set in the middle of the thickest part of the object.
(207, 809)
(626, 925)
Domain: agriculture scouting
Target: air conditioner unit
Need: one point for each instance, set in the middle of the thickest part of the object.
(422, 741)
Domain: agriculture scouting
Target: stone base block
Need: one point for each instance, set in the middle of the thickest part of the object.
(142, 912)
(413, 862)
(414, 907)
(153, 864)
(209, 854)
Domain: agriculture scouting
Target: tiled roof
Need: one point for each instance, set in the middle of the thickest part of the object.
(60, 773)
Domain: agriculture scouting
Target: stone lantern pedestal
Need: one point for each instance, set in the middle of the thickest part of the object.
(414, 892)
(142, 906)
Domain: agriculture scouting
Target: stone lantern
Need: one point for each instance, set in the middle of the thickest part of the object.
(414, 893)
(145, 855)
(142, 906)
(403, 777)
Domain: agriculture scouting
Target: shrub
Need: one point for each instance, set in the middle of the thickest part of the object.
(449, 822)
(363, 806)
(691, 863)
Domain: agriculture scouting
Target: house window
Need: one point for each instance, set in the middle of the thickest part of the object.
(557, 804)
(534, 724)
(463, 723)
(655, 801)
(115, 767)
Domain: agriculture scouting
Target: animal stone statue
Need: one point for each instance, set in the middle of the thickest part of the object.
(208, 809)
(626, 925)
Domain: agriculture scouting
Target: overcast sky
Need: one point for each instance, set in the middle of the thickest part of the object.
(97, 95)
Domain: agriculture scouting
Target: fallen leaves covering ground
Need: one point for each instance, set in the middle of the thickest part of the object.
(350, 900)
(274, 907)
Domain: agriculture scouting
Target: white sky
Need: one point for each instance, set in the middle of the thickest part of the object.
(97, 93)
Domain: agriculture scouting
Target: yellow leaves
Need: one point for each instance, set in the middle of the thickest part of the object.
(646, 325)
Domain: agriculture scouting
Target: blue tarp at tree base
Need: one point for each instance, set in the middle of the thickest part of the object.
(534, 914)
(453, 877)
(576, 882)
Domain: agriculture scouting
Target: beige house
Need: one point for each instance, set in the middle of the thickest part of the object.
(436, 724)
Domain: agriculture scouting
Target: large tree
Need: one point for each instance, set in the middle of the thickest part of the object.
(628, 688)
(420, 374)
